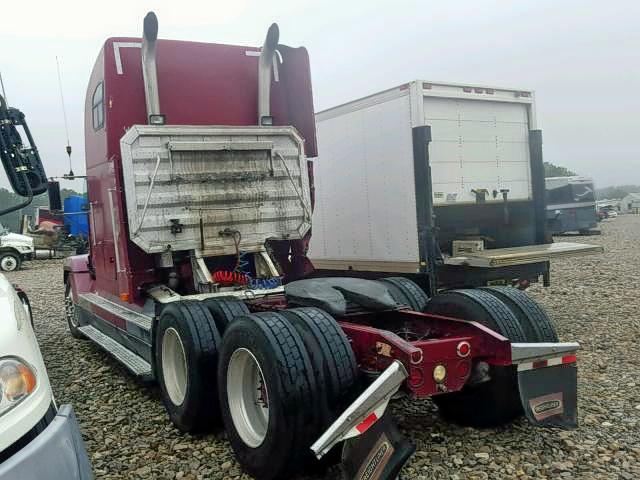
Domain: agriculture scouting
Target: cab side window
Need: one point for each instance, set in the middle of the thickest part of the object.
(97, 107)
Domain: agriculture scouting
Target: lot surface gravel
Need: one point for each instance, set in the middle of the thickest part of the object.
(594, 300)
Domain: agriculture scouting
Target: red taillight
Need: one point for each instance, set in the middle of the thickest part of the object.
(463, 349)
(463, 369)
(416, 378)
(569, 359)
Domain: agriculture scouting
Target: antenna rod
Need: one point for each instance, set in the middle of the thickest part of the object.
(64, 114)
(4, 95)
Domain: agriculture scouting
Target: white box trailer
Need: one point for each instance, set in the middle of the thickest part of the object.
(425, 166)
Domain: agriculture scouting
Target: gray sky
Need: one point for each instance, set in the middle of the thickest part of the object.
(581, 57)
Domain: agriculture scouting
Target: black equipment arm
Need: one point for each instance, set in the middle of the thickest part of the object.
(22, 165)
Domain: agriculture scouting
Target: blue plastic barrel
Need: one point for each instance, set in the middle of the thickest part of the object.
(76, 215)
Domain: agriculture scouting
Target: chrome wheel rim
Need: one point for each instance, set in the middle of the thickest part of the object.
(174, 366)
(70, 309)
(248, 397)
(8, 263)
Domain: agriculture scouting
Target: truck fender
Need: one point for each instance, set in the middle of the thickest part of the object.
(76, 271)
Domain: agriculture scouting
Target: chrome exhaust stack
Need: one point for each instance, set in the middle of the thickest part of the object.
(265, 67)
(149, 70)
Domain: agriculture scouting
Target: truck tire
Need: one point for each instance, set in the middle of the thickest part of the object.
(407, 292)
(10, 261)
(267, 394)
(71, 312)
(224, 310)
(334, 363)
(533, 319)
(497, 400)
(187, 343)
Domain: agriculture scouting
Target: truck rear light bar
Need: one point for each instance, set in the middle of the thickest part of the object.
(524, 353)
(550, 362)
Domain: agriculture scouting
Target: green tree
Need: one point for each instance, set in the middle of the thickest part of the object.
(551, 170)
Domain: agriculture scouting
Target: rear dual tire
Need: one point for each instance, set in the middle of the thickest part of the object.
(267, 348)
(186, 359)
(406, 292)
(532, 318)
(496, 401)
(511, 313)
(302, 364)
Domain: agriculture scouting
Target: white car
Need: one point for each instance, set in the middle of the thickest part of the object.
(37, 440)
(612, 214)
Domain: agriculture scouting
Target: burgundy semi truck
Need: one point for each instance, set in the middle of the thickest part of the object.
(201, 200)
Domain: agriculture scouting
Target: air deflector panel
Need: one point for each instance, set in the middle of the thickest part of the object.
(184, 185)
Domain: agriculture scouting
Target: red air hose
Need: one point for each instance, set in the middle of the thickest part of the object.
(227, 278)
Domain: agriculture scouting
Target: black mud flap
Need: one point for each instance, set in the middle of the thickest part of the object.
(549, 395)
(378, 454)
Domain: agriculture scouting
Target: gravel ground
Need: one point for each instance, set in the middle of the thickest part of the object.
(594, 300)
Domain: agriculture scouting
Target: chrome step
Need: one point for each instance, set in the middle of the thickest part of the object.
(138, 323)
(134, 363)
(140, 319)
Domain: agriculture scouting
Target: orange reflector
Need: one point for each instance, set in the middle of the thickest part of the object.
(124, 297)
(28, 378)
(540, 364)
(367, 422)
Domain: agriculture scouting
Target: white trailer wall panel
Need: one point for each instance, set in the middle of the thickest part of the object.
(365, 199)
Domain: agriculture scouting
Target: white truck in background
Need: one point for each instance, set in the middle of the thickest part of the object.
(442, 183)
(14, 249)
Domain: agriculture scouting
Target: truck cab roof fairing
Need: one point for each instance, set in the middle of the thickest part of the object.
(219, 84)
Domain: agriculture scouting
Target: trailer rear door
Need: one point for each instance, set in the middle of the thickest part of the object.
(480, 142)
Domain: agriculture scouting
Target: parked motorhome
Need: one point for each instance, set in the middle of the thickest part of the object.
(571, 204)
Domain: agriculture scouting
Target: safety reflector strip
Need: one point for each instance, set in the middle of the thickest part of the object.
(367, 422)
(550, 362)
